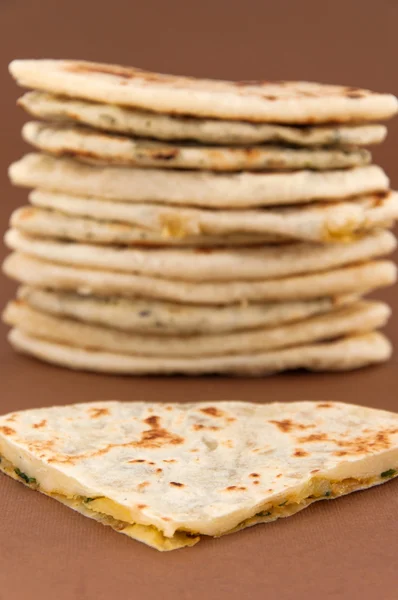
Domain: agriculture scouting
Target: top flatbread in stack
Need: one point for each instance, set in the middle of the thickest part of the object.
(204, 198)
(254, 101)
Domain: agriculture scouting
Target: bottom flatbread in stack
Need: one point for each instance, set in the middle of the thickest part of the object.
(169, 475)
(340, 338)
(352, 352)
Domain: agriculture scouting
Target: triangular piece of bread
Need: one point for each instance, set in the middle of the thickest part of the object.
(169, 474)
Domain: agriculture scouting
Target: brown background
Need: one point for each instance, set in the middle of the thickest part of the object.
(345, 549)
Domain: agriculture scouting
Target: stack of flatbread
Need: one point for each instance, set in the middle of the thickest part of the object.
(196, 226)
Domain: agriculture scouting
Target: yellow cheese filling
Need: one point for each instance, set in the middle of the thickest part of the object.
(107, 512)
(118, 517)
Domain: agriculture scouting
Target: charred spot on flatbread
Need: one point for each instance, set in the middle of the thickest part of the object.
(287, 425)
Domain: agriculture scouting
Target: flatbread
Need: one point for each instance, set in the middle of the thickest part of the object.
(359, 317)
(258, 101)
(253, 462)
(357, 279)
(193, 188)
(320, 222)
(218, 265)
(167, 318)
(40, 222)
(132, 121)
(350, 353)
(110, 149)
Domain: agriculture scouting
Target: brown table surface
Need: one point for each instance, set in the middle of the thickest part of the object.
(344, 549)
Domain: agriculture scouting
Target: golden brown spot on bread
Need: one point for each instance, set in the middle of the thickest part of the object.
(235, 488)
(228, 443)
(157, 436)
(165, 519)
(41, 445)
(27, 213)
(140, 506)
(7, 430)
(11, 418)
(95, 413)
(176, 484)
(354, 95)
(254, 475)
(374, 442)
(41, 424)
(76, 153)
(137, 460)
(143, 485)
(199, 427)
(378, 198)
(299, 453)
(102, 69)
(350, 88)
(159, 470)
(124, 73)
(287, 425)
(315, 471)
(314, 437)
(212, 411)
(166, 154)
(256, 482)
(279, 475)
(231, 419)
(169, 460)
(324, 405)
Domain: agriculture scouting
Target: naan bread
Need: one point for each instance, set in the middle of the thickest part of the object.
(356, 279)
(320, 222)
(257, 101)
(193, 188)
(353, 352)
(168, 318)
(218, 265)
(104, 149)
(136, 122)
(359, 317)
